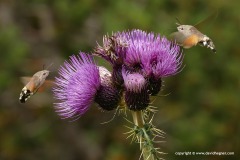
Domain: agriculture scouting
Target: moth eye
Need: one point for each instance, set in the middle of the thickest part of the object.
(180, 28)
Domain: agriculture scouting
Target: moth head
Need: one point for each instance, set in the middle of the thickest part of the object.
(43, 74)
(181, 28)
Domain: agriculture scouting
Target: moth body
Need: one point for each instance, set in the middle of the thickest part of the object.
(33, 85)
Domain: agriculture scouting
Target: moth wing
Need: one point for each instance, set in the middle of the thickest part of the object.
(206, 21)
(179, 37)
(29, 83)
(25, 80)
(46, 85)
(34, 79)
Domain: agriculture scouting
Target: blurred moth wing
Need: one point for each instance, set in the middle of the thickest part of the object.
(208, 20)
(45, 86)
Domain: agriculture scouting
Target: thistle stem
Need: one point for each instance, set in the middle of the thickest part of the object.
(138, 118)
(143, 138)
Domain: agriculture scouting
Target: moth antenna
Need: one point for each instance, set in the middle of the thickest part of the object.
(178, 21)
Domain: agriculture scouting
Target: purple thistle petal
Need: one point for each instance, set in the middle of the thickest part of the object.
(76, 86)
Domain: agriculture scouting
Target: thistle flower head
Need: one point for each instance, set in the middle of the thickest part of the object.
(82, 82)
(136, 94)
(76, 86)
(151, 54)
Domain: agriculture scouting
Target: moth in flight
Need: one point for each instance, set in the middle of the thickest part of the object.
(33, 84)
(188, 36)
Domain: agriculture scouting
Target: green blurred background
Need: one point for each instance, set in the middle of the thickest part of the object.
(200, 114)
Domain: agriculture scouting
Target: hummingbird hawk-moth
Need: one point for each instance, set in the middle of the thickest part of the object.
(188, 36)
(34, 83)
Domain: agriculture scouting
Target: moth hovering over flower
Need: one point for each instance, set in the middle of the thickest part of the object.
(188, 36)
(33, 84)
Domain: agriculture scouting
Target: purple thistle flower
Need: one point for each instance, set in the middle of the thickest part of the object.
(80, 84)
(136, 93)
(151, 54)
(76, 86)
